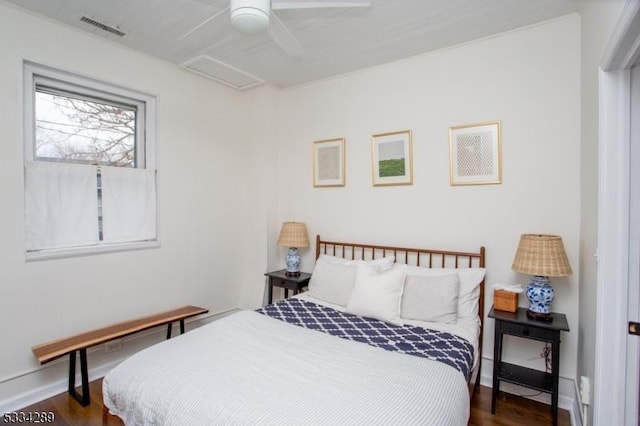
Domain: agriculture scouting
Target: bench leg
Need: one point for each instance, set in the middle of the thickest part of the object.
(83, 399)
(170, 325)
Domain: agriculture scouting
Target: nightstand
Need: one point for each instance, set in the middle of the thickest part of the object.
(518, 324)
(280, 279)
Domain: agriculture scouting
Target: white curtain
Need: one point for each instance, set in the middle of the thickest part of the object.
(128, 204)
(61, 205)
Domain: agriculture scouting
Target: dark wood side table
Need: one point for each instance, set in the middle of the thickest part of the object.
(280, 279)
(517, 324)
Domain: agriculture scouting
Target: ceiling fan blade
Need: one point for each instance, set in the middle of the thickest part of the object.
(314, 4)
(202, 24)
(283, 37)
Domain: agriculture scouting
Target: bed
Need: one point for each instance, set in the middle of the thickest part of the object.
(359, 347)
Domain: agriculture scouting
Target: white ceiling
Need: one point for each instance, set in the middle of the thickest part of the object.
(333, 40)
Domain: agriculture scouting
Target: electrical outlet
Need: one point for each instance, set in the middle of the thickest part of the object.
(585, 390)
(113, 345)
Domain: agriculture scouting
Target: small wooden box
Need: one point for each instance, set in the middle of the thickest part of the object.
(505, 300)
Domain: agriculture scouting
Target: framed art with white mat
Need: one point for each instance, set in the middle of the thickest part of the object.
(475, 153)
(328, 163)
(391, 158)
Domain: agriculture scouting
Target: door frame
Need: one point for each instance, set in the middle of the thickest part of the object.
(612, 402)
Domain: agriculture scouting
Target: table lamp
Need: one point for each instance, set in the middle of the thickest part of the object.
(293, 235)
(542, 256)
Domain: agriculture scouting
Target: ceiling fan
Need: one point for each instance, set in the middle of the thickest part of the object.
(255, 16)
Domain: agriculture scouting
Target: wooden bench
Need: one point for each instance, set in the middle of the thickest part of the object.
(80, 342)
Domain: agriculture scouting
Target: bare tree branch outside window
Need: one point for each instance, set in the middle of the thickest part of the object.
(84, 131)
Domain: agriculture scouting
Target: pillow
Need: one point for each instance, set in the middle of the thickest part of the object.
(431, 298)
(336, 260)
(383, 264)
(470, 279)
(377, 294)
(332, 281)
(333, 277)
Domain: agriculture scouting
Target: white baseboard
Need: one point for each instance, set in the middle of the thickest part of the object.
(53, 378)
(54, 388)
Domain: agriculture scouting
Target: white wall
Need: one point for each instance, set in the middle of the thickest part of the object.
(260, 116)
(201, 157)
(528, 79)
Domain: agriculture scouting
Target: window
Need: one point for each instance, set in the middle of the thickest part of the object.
(72, 128)
(89, 165)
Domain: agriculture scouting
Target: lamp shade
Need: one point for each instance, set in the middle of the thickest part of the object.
(541, 255)
(293, 234)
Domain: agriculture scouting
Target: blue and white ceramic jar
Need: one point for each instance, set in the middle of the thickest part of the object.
(292, 261)
(540, 295)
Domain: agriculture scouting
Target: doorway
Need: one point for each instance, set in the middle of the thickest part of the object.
(616, 397)
(633, 342)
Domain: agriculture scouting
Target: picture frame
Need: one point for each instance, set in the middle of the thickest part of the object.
(392, 158)
(475, 154)
(329, 163)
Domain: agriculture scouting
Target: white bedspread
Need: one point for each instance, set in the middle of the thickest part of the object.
(248, 369)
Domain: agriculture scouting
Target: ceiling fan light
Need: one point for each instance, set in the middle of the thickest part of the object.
(250, 16)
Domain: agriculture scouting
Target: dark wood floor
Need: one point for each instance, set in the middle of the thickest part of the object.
(68, 412)
(511, 410)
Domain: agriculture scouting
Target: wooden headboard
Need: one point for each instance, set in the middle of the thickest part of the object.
(427, 258)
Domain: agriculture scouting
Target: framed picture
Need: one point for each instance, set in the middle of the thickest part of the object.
(328, 163)
(391, 158)
(475, 154)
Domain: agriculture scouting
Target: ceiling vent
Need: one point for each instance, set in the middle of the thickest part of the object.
(223, 73)
(103, 27)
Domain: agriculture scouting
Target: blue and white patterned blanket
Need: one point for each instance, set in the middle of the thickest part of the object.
(435, 345)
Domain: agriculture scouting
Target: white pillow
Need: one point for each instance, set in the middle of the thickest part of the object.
(470, 279)
(431, 298)
(377, 294)
(383, 264)
(332, 281)
(336, 260)
(333, 277)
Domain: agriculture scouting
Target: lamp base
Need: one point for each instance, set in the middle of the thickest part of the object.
(540, 295)
(293, 262)
(539, 317)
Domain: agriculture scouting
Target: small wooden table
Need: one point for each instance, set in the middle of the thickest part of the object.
(80, 342)
(281, 279)
(518, 324)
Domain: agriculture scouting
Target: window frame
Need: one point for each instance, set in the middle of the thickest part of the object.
(145, 138)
